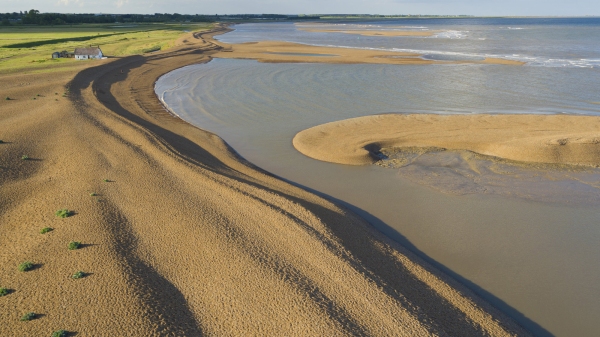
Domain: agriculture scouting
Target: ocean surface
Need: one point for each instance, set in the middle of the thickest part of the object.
(529, 244)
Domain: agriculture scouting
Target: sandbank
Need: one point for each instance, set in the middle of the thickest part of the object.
(548, 139)
(275, 52)
(389, 33)
(181, 236)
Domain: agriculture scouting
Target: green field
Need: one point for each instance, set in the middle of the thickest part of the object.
(32, 46)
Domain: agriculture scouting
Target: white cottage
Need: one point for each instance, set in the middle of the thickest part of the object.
(88, 53)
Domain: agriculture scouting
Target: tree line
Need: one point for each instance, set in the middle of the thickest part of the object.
(34, 17)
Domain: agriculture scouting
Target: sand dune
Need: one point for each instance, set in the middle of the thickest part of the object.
(186, 238)
(549, 139)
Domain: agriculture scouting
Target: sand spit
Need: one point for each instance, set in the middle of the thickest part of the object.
(181, 237)
(549, 139)
(287, 52)
(390, 33)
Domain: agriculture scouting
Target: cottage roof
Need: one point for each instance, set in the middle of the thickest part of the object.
(87, 51)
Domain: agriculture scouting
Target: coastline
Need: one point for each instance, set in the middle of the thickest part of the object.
(241, 244)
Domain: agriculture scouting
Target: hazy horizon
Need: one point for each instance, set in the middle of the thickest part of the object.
(382, 7)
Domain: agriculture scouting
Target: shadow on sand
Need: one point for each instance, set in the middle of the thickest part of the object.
(366, 257)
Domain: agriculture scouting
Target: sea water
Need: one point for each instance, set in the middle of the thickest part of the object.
(532, 253)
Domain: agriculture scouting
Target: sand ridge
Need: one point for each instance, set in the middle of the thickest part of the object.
(287, 52)
(389, 33)
(182, 237)
(548, 139)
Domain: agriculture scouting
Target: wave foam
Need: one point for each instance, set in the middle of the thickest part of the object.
(451, 34)
(457, 56)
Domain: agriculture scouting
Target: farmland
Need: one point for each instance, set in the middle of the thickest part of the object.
(31, 47)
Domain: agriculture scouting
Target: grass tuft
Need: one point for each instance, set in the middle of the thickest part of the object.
(1, 141)
(4, 292)
(7, 98)
(46, 230)
(93, 194)
(106, 181)
(63, 213)
(28, 316)
(59, 333)
(78, 275)
(73, 245)
(24, 157)
(26, 266)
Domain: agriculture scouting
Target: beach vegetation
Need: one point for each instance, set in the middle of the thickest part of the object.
(93, 194)
(106, 181)
(4, 291)
(24, 157)
(26, 266)
(59, 333)
(46, 230)
(28, 316)
(73, 245)
(7, 98)
(78, 275)
(1, 141)
(63, 213)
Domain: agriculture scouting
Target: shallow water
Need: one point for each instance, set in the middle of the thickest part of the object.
(465, 172)
(545, 42)
(534, 258)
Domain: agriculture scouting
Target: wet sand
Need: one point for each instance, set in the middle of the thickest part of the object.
(182, 237)
(546, 139)
(390, 33)
(275, 52)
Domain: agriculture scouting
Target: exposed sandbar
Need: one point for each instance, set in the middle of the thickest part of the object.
(287, 52)
(390, 33)
(550, 139)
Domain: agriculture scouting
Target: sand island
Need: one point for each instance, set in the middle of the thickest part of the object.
(543, 139)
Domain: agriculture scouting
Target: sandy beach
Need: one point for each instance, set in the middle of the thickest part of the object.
(541, 139)
(181, 236)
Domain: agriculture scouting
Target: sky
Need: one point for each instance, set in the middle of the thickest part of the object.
(386, 7)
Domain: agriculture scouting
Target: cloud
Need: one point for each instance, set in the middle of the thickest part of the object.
(70, 2)
(120, 3)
